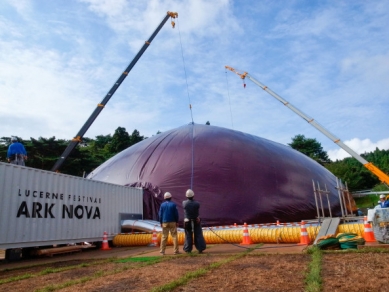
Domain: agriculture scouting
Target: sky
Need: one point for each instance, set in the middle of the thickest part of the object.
(329, 59)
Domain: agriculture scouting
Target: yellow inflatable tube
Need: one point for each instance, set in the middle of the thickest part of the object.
(274, 234)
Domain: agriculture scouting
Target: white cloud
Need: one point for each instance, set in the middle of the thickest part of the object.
(359, 146)
(23, 7)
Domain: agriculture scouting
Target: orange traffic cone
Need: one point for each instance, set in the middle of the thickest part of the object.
(154, 239)
(105, 245)
(304, 239)
(368, 234)
(246, 235)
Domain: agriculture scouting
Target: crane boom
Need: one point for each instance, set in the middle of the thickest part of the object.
(370, 166)
(74, 142)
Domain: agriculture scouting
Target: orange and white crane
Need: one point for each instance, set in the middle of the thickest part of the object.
(370, 166)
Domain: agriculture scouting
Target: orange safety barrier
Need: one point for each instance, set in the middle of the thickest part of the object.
(368, 232)
(246, 236)
(304, 239)
(154, 239)
(105, 245)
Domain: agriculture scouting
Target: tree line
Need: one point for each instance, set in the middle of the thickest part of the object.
(44, 152)
(348, 169)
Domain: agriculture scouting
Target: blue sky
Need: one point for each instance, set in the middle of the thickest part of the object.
(330, 59)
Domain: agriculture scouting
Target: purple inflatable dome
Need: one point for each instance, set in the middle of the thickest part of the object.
(235, 176)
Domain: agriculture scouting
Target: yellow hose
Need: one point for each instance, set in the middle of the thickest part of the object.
(223, 236)
(282, 234)
(356, 228)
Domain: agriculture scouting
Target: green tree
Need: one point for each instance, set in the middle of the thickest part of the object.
(380, 158)
(310, 147)
(102, 141)
(208, 123)
(354, 173)
(43, 152)
(86, 156)
(4, 143)
(99, 149)
(135, 137)
(95, 151)
(120, 140)
(359, 177)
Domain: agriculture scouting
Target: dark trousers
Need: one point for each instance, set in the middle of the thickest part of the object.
(194, 232)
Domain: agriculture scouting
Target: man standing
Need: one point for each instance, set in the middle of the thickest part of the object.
(192, 224)
(16, 152)
(168, 217)
(384, 203)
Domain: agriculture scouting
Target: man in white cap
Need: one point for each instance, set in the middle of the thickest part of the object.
(384, 203)
(16, 153)
(168, 217)
(192, 224)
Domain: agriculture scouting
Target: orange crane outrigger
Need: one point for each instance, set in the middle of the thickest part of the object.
(370, 166)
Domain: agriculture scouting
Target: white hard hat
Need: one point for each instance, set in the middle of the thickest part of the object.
(189, 193)
(167, 195)
(382, 196)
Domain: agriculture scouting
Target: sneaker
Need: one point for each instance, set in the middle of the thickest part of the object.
(162, 252)
(200, 251)
(177, 252)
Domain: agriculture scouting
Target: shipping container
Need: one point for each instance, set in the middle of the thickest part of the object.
(41, 208)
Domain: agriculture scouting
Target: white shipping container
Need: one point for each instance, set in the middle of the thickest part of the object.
(40, 207)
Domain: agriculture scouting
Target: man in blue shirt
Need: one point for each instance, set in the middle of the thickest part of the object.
(168, 217)
(16, 152)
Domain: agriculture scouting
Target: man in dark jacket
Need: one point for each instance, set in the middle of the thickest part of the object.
(168, 217)
(192, 224)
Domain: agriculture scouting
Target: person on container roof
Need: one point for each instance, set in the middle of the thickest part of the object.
(16, 153)
(168, 217)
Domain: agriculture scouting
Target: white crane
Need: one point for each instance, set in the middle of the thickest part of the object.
(370, 166)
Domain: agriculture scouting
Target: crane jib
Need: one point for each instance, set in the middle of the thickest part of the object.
(370, 166)
(74, 142)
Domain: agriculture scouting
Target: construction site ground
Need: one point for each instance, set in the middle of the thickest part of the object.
(222, 267)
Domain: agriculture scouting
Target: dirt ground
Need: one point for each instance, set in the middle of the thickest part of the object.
(355, 272)
(240, 270)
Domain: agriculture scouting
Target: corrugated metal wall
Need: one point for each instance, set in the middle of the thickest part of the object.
(39, 207)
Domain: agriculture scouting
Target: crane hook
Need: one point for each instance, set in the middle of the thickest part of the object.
(173, 15)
